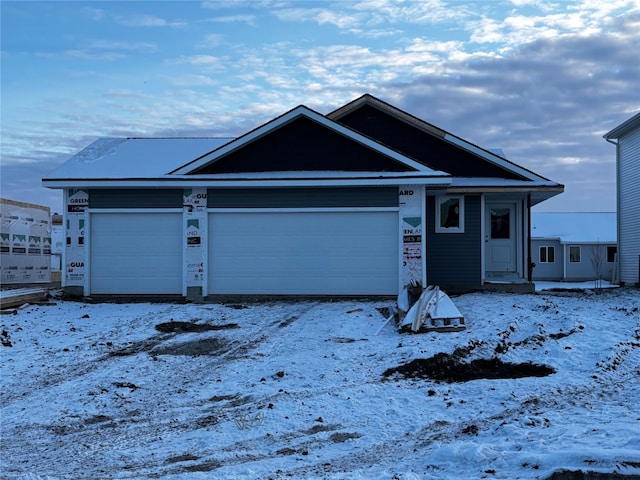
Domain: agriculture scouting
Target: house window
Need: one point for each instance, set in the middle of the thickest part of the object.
(574, 254)
(611, 254)
(450, 214)
(547, 254)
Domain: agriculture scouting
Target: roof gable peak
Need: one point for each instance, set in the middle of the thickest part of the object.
(293, 115)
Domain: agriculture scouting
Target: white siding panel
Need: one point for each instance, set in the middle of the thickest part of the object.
(629, 206)
(319, 253)
(136, 253)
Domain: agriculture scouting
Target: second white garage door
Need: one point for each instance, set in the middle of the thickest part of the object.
(304, 253)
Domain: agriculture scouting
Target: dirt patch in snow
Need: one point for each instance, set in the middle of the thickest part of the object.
(447, 368)
(580, 475)
(205, 346)
(190, 327)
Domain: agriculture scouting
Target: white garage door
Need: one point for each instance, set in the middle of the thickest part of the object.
(136, 253)
(303, 253)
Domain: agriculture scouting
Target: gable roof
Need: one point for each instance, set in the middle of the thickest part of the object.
(492, 158)
(296, 114)
(624, 128)
(575, 227)
(298, 148)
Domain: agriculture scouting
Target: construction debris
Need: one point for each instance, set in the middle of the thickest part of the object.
(434, 311)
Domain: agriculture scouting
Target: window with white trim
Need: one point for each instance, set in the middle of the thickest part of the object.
(450, 214)
(547, 254)
(611, 253)
(574, 253)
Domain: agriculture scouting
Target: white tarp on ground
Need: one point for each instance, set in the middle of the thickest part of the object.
(434, 310)
(25, 243)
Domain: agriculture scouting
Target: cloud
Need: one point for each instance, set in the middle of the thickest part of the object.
(192, 80)
(248, 19)
(146, 20)
(94, 13)
(321, 16)
(210, 40)
(206, 60)
(119, 45)
(543, 88)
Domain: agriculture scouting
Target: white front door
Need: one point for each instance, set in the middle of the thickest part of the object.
(500, 237)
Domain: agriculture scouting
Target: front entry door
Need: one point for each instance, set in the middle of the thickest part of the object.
(500, 237)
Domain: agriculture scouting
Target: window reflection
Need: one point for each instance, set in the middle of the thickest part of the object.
(500, 223)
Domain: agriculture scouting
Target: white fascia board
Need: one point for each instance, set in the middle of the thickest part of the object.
(492, 182)
(319, 174)
(570, 241)
(297, 112)
(493, 158)
(624, 128)
(191, 182)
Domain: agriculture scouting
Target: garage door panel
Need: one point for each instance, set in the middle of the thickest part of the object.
(304, 253)
(136, 253)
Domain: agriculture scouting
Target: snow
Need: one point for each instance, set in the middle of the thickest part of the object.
(575, 227)
(295, 389)
(118, 158)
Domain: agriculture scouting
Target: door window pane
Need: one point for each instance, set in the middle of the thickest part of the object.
(500, 223)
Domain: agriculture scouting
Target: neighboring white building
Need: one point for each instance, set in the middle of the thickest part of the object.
(626, 138)
(25, 243)
(573, 246)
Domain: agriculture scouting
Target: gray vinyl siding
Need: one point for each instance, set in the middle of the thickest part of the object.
(587, 269)
(547, 271)
(303, 197)
(454, 259)
(629, 206)
(564, 270)
(136, 198)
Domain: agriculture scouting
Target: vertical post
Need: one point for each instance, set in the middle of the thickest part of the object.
(529, 257)
(195, 245)
(75, 278)
(411, 225)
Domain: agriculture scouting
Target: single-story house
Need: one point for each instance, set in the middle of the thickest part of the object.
(626, 138)
(573, 246)
(365, 200)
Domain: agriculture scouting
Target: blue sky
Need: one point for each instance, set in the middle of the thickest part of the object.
(542, 80)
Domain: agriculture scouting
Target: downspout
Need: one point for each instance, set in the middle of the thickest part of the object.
(617, 267)
(529, 259)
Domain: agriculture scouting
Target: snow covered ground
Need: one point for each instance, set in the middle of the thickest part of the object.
(297, 390)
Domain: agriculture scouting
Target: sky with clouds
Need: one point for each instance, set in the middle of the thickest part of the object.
(542, 80)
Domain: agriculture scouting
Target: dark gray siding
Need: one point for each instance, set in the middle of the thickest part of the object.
(138, 198)
(453, 259)
(303, 197)
(426, 148)
(303, 145)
